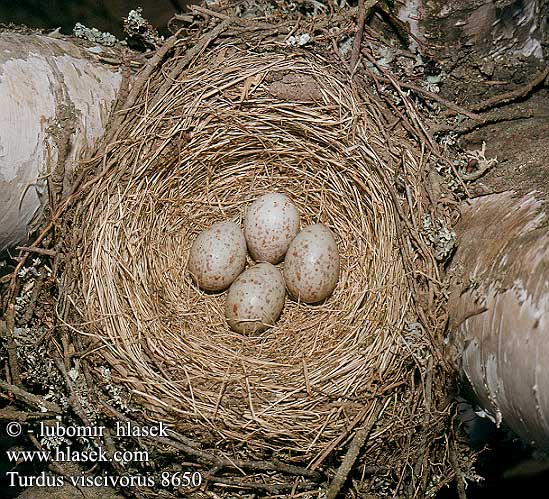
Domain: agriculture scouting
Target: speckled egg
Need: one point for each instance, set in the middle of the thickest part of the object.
(255, 299)
(218, 256)
(311, 267)
(272, 222)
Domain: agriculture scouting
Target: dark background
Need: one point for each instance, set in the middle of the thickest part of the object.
(105, 15)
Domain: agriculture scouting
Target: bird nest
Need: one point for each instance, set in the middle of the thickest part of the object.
(209, 131)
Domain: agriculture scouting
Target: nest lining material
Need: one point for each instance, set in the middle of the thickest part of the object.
(233, 126)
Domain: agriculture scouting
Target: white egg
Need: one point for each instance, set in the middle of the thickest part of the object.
(272, 222)
(311, 267)
(255, 299)
(218, 256)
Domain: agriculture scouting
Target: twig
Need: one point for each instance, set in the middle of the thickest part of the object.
(75, 189)
(402, 29)
(221, 463)
(39, 251)
(479, 158)
(423, 460)
(471, 177)
(419, 125)
(110, 449)
(204, 41)
(76, 406)
(30, 398)
(277, 488)
(39, 283)
(337, 52)
(74, 401)
(234, 20)
(352, 454)
(60, 469)
(460, 483)
(507, 97)
(468, 315)
(12, 347)
(62, 137)
(363, 7)
(8, 414)
(522, 91)
(336, 441)
(430, 95)
(470, 125)
(110, 446)
(38, 240)
(181, 17)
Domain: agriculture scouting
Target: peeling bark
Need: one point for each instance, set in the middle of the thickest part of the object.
(499, 309)
(491, 28)
(55, 99)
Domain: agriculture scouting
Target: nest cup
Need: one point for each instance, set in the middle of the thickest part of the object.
(233, 126)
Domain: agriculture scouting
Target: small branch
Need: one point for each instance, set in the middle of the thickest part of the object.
(239, 464)
(430, 95)
(58, 467)
(352, 454)
(363, 7)
(278, 488)
(7, 414)
(39, 283)
(426, 449)
(74, 401)
(148, 70)
(185, 18)
(140, 81)
(76, 406)
(460, 481)
(402, 29)
(30, 398)
(471, 177)
(437, 98)
(234, 20)
(518, 93)
(38, 240)
(61, 133)
(470, 125)
(12, 347)
(470, 314)
(111, 449)
(39, 251)
(336, 441)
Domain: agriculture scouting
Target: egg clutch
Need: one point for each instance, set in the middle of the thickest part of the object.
(271, 234)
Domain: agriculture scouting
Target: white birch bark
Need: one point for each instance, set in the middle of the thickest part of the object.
(499, 310)
(53, 94)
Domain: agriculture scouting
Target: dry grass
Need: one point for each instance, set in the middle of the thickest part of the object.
(199, 149)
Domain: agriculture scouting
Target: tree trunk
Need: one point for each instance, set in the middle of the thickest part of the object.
(487, 28)
(55, 99)
(499, 310)
(482, 47)
(499, 305)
